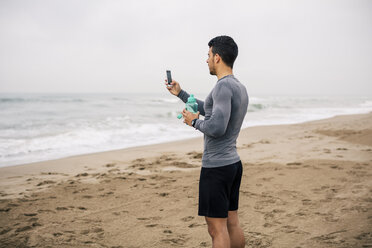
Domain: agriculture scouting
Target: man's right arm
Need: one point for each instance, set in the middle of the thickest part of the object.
(183, 95)
(175, 89)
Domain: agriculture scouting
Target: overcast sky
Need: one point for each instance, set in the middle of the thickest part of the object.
(319, 47)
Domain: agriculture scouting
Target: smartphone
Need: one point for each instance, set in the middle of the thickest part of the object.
(169, 77)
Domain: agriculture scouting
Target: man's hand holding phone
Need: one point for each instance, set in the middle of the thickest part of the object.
(173, 87)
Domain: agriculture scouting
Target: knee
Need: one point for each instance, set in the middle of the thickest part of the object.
(212, 231)
(216, 230)
(231, 224)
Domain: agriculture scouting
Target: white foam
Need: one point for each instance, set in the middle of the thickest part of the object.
(51, 127)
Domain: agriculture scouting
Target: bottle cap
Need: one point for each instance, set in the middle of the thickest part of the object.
(191, 99)
(179, 116)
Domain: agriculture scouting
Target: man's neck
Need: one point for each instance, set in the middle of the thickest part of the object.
(224, 73)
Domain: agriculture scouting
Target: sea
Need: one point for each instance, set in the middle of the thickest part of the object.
(38, 127)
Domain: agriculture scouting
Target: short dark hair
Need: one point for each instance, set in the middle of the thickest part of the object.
(226, 47)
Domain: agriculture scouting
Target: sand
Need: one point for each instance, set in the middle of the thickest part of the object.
(304, 185)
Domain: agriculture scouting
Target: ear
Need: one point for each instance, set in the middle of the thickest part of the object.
(217, 58)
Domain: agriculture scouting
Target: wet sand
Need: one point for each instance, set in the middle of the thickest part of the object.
(304, 185)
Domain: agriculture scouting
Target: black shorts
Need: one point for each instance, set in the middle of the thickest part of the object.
(219, 190)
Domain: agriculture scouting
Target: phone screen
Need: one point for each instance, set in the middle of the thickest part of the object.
(169, 77)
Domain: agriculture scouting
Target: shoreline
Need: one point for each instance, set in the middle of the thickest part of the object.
(306, 184)
(168, 142)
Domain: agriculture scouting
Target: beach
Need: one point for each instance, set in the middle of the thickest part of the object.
(304, 185)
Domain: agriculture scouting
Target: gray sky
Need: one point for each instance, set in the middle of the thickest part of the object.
(285, 47)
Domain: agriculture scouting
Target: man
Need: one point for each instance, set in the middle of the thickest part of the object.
(224, 110)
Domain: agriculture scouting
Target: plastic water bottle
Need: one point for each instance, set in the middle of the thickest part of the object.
(191, 105)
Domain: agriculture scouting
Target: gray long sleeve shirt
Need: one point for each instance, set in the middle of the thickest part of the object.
(224, 110)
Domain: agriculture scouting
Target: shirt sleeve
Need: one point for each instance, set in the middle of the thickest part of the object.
(183, 95)
(216, 125)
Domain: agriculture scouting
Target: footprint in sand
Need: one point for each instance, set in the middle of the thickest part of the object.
(266, 179)
(342, 149)
(2, 193)
(264, 141)
(331, 218)
(110, 165)
(106, 194)
(45, 182)
(336, 167)
(97, 230)
(188, 218)
(330, 237)
(23, 229)
(257, 239)
(309, 136)
(139, 163)
(203, 244)
(301, 213)
(367, 236)
(247, 145)
(195, 155)
(183, 165)
(143, 218)
(294, 163)
(194, 225)
(5, 230)
(151, 225)
(5, 209)
(46, 211)
(167, 157)
(30, 214)
(288, 229)
(13, 205)
(268, 225)
(61, 208)
(175, 241)
(306, 202)
(325, 150)
(82, 174)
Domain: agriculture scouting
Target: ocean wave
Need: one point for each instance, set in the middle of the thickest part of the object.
(165, 100)
(37, 100)
(87, 140)
(60, 126)
(169, 114)
(255, 107)
(366, 104)
(121, 99)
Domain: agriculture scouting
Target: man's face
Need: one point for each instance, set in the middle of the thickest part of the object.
(210, 62)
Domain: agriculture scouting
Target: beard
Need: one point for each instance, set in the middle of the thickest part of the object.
(212, 71)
